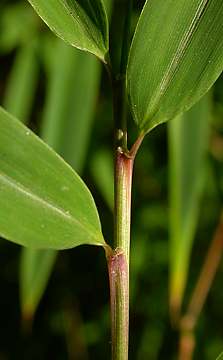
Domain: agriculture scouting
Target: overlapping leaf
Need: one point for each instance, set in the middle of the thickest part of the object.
(43, 202)
(176, 55)
(81, 23)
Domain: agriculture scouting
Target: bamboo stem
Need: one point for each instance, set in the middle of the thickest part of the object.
(119, 296)
(118, 263)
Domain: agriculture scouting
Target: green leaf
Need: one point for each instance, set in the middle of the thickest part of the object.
(80, 23)
(43, 202)
(21, 85)
(188, 141)
(35, 269)
(65, 120)
(176, 56)
(109, 7)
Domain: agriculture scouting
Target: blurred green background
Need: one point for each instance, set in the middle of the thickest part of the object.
(64, 96)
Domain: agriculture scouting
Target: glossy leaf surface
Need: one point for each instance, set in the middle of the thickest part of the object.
(176, 55)
(188, 142)
(81, 23)
(43, 202)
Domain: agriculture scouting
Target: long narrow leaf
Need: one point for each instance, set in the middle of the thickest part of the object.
(188, 139)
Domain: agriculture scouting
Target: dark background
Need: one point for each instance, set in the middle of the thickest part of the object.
(72, 321)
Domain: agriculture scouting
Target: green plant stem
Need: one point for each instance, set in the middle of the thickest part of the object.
(119, 299)
(199, 295)
(118, 262)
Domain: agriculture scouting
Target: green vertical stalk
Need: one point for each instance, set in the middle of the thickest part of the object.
(119, 301)
(123, 186)
(118, 262)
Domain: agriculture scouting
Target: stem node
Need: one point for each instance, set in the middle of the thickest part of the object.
(119, 293)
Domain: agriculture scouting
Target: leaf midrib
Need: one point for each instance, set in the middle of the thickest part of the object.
(176, 60)
(79, 22)
(22, 189)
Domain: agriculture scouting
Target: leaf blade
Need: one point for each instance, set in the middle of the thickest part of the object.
(39, 182)
(77, 22)
(178, 62)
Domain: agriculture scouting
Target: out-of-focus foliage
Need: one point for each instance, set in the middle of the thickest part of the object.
(102, 163)
(66, 126)
(72, 321)
(35, 270)
(22, 82)
(220, 357)
(188, 142)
